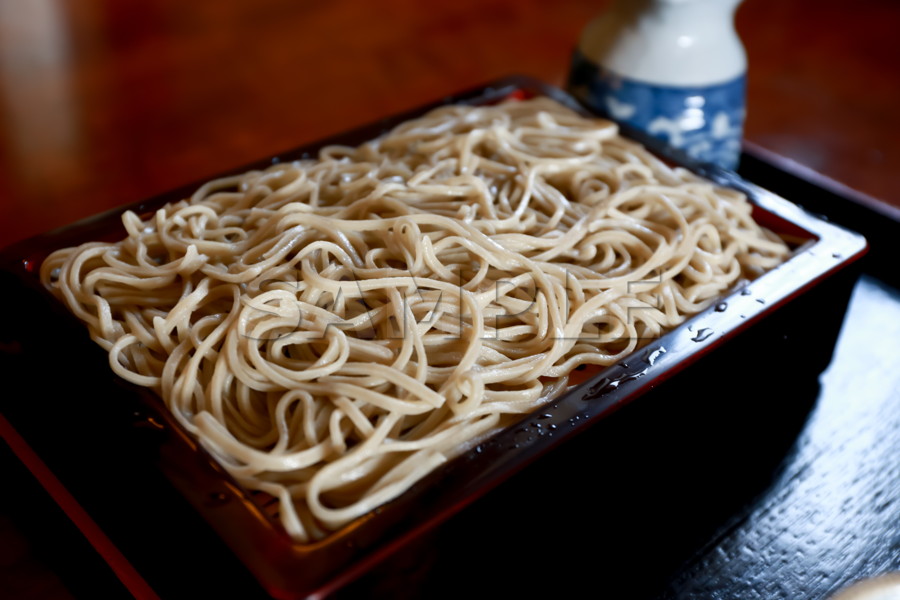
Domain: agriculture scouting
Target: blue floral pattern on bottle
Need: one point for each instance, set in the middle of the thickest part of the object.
(705, 121)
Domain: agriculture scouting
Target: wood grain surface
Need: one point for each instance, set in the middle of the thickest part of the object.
(105, 102)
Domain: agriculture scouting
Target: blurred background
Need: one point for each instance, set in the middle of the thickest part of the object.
(107, 102)
(104, 102)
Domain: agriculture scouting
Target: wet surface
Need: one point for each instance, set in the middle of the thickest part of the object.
(833, 515)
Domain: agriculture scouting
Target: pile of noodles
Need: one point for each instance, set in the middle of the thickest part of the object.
(333, 329)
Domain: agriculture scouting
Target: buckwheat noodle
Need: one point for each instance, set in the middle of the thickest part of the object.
(333, 329)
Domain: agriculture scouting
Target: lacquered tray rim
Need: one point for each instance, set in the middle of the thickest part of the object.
(843, 248)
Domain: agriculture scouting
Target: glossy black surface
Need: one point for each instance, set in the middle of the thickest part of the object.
(833, 514)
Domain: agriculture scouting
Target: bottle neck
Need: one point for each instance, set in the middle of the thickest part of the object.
(668, 42)
(683, 13)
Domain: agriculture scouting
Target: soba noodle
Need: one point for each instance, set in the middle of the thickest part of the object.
(333, 329)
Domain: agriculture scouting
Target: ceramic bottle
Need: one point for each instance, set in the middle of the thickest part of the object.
(674, 68)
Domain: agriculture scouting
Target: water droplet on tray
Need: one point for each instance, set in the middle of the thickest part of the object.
(652, 357)
(702, 334)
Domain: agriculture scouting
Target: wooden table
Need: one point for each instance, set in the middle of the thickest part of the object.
(104, 102)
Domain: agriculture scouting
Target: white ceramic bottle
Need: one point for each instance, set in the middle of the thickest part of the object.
(674, 68)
